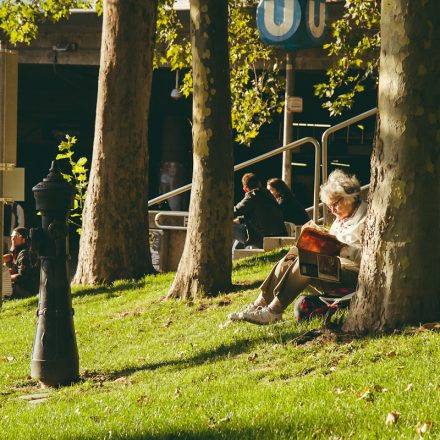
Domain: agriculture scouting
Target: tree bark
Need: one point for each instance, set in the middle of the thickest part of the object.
(399, 280)
(205, 266)
(114, 240)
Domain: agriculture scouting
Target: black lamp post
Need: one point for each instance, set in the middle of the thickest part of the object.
(55, 354)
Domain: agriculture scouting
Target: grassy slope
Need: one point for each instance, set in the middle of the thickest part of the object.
(153, 369)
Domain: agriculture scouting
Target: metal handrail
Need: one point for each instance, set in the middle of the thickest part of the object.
(324, 143)
(186, 213)
(260, 158)
(337, 127)
(170, 214)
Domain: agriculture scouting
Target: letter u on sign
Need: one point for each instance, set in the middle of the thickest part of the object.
(291, 24)
(315, 21)
(278, 20)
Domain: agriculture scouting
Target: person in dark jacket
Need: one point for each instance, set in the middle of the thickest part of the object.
(292, 209)
(257, 215)
(23, 265)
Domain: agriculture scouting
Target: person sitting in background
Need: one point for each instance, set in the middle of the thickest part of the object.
(257, 215)
(22, 263)
(341, 193)
(293, 211)
(13, 218)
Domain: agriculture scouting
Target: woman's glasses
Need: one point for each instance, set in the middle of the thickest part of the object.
(332, 206)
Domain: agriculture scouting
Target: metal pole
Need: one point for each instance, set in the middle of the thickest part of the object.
(2, 154)
(286, 172)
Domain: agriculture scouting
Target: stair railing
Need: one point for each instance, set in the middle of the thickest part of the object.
(291, 146)
(324, 143)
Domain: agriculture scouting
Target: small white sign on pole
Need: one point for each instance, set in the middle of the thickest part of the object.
(294, 104)
(13, 185)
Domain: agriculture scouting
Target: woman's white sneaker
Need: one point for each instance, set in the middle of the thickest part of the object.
(238, 316)
(262, 315)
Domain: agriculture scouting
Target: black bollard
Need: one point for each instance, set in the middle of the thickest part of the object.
(55, 354)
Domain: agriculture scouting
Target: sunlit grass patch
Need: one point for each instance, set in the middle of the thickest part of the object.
(165, 369)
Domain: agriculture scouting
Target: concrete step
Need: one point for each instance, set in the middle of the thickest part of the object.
(271, 243)
(243, 253)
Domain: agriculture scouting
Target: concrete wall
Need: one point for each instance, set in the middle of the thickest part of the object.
(77, 41)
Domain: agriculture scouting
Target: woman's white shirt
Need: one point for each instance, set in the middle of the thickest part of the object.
(349, 231)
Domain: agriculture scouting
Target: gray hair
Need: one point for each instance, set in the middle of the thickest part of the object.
(340, 184)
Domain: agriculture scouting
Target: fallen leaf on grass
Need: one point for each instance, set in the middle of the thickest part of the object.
(423, 428)
(364, 394)
(368, 392)
(391, 354)
(177, 392)
(392, 418)
(212, 423)
(252, 357)
(167, 324)
(225, 324)
(123, 379)
(142, 400)
(127, 313)
(408, 387)
(380, 389)
(224, 302)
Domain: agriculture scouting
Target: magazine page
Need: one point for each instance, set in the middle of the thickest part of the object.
(319, 241)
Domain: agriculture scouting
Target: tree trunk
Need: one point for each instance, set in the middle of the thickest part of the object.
(399, 281)
(114, 240)
(205, 266)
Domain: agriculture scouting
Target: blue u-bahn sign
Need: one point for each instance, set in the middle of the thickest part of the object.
(291, 24)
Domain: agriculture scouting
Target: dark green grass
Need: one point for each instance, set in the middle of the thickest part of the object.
(155, 369)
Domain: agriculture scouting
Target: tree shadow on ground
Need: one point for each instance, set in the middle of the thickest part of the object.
(214, 430)
(25, 305)
(219, 428)
(245, 285)
(110, 290)
(270, 257)
(221, 352)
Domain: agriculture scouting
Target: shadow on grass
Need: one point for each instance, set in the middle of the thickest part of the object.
(20, 305)
(109, 290)
(215, 355)
(245, 285)
(270, 257)
(217, 428)
(218, 431)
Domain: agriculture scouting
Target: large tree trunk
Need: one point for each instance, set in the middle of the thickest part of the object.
(205, 266)
(114, 240)
(399, 281)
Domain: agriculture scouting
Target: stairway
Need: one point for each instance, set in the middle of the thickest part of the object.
(271, 243)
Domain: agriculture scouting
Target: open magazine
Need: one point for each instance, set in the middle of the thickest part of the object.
(318, 254)
(6, 282)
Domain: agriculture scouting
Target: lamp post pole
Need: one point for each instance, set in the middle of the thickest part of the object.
(286, 173)
(55, 354)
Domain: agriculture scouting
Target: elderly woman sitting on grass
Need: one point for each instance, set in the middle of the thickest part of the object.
(341, 193)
